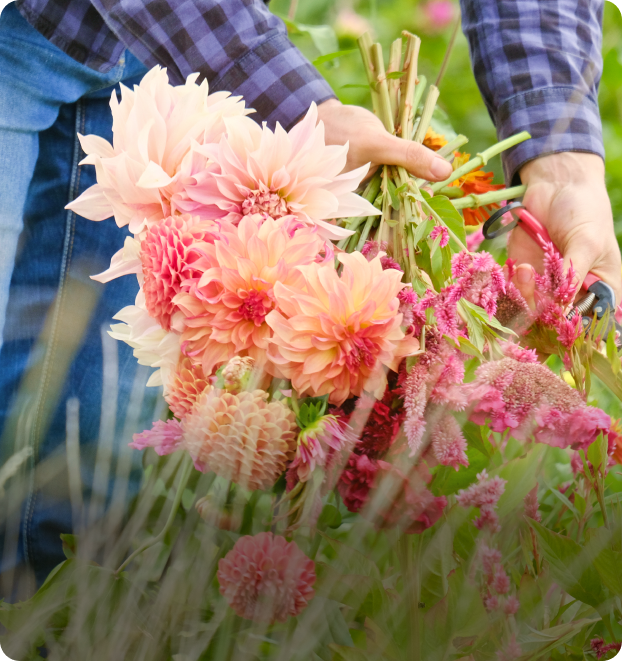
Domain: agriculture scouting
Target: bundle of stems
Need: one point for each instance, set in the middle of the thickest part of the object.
(399, 98)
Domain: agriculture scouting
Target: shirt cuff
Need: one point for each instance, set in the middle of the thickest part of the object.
(559, 119)
(276, 80)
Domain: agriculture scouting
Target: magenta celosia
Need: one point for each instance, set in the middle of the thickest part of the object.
(265, 578)
(531, 505)
(164, 437)
(442, 232)
(485, 494)
(479, 279)
(511, 606)
(554, 283)
(601, 649)
(530, 399)
(448, 443)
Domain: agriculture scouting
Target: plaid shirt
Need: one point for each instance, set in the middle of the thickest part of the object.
(238, 45)
(538, 64)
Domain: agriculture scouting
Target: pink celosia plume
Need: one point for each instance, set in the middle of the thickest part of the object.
(163, 437)
(265, 578)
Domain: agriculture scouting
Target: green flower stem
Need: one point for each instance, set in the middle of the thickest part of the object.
(452, 145)
(365, 233)
(365, 44)
(475, 201)
(426, 117)
(395, 62)
(409, 84)
(419, 90)
(482, 159)
(412, 588)
(384, 101)
(452, 192)
(185, 472)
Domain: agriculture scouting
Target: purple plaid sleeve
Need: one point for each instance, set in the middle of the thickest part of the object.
(538, 65)
(238, 45)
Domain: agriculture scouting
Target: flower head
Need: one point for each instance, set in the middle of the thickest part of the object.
(531, 505)
(333, 334)
(476, 182)
(485, 494)
(530, 399)
(243, 437)
(448, 443)
(185, 386)
(279, 173)
(479, 279)
(153, 158)
(265, 578)
(237, 373)
(226, 305)
(316, 442)
(163, 437)
(443, 232)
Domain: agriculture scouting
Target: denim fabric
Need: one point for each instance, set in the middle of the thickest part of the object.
(56, 354)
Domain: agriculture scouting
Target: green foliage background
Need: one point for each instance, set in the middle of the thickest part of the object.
(460, 97)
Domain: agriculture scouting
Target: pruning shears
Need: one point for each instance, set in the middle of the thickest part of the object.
(599, 296)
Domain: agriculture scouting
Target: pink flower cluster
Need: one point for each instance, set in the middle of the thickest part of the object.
(529, 399)
(485, 494)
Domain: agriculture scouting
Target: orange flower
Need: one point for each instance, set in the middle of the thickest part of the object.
(434, 140)
(476, 182)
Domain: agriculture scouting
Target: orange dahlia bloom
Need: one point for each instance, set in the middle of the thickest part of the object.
(334, 333)
(476, 182)
(226, 306)
(185, 386)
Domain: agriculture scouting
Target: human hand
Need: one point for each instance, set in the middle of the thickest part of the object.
(566, 192)
(371, 143)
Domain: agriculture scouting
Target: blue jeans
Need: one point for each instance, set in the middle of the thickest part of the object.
(59, 370)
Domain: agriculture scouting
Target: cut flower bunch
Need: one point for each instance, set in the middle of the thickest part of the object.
(369, 458)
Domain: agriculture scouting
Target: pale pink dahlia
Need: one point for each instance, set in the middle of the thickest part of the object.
(280, 173)
(334, 333)
(163, 437)
(185, 386)
(226, 305)
(265, 578)
(530, 399)
(243, 437)
(167, 252)
(153, 158)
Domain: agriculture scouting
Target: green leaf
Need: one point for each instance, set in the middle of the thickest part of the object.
(344, 653)
(353, 86)
(538, 643)
(329, 518)
(70, 545)
(395, 198)
(446, 210)
(394, 75)
(521, 477)
(612, 353)
(570, 565)
(422, 231)
(329, 57)
(322, 36)
(597, 453)
(603, 370)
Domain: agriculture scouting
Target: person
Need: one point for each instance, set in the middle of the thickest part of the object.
(58, 371)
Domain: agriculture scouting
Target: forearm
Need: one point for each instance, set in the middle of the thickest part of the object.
(239, 46)
(538, 66)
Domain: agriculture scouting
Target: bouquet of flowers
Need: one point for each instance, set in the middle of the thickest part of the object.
(369, 457)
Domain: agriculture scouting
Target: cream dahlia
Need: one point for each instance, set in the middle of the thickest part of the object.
(243, 437)
(225, 307)
(265, 578)
(157, 128)
(280, 173)
(185, 386)
(153, 346)
(333, 334)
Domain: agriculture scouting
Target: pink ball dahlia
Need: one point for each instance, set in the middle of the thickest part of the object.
(334, 334)
(266, 579)
(243, 437)
(167, 253)
(226, 306)
(185, 386)
(530, 399)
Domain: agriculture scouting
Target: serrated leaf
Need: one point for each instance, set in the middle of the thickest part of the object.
(570, 565)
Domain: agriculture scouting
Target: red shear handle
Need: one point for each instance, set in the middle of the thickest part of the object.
(536, 230)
